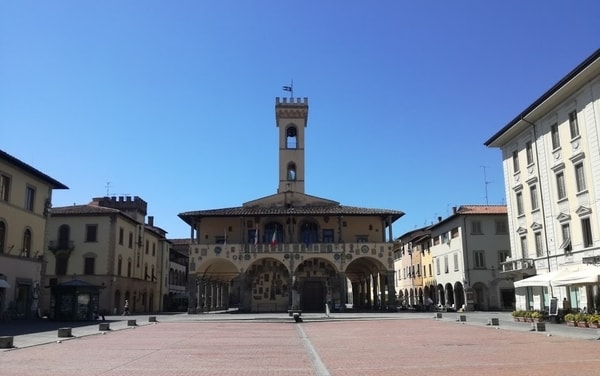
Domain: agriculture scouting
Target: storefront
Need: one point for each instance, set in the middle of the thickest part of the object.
(74, 300)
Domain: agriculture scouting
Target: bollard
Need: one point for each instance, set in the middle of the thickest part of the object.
(494, 321)
(64, 332)
(461, 318)
(152, 319)
(131, 323)
(6, 342)
(539, 326)
(438, 315)
(104, 326)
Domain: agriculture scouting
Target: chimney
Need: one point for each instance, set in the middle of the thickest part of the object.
(454, 210)
(151, 220)
(439, 219)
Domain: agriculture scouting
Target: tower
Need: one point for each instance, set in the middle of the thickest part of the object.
(291, 116)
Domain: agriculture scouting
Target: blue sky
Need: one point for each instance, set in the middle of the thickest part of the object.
(173, 101)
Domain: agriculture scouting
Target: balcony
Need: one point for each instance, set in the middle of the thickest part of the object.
(519, 266)
(57, 246)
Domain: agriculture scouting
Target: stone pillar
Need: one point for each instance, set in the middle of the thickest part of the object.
(343, 290)
(391, 288)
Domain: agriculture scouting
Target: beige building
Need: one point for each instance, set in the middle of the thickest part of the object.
(25, 199)
(412, 255)
(551, 163)
(107, 250)
(467, 249)
(290, 249)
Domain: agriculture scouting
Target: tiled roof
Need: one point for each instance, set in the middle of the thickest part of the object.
(299, 210)
(83, 210)
(482, 209)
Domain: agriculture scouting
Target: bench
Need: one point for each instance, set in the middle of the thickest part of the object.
(295, 313)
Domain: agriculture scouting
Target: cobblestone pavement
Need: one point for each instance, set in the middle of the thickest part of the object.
(341, 344)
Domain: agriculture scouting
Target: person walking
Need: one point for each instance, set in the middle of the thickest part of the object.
(126, 308)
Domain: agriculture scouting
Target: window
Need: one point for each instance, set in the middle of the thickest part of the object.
(2, 236)
(560, 185)
(88, 267)
(130, 240)
(291, 138)
(362, 238)
(456, 261)
(529, 152)
(501, 226)
(153, 249)
(539, 245)
(454, 233)
(430, 273)
(437, 266)
(476, 227)
(554, 135)
(519, 198)
(4, 187)
(424, 271)
(586, 231)
(479, 257)
(147, 246)
(446, 270)
(121, 235)
(62, 260)
(515, 158)
(534, 197)
(29, 198)
(91, 233)
(129, 267)
(503, 256)
(328, 235)
(524, 246)
(573, 125)
(26, 252)
(580, 177)
(291, 172)
(566, 235)
(119, 265)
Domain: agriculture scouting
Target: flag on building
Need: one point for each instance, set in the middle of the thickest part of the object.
(225, 238)
(255, 237)
(274, 238)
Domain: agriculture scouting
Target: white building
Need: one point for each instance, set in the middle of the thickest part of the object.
(551, 163)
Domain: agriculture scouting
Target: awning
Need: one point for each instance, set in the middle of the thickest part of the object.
(542, 280)
(588, 276)
(4, 284)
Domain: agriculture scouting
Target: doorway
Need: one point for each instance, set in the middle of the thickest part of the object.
(312, 296)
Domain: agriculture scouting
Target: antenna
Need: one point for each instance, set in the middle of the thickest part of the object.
(107, 186)
(485, 183)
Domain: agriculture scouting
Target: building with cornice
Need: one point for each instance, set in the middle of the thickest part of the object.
(25, 201)
(291, 250)
(551, 162)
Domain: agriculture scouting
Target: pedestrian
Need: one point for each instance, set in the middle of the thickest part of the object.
(126, 308)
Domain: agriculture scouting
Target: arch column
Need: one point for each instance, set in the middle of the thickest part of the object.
(391, 289)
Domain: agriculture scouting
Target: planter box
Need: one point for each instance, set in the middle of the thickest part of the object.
(582, 324)
(571, 323)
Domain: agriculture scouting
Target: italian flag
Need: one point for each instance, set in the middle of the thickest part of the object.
(274, 238)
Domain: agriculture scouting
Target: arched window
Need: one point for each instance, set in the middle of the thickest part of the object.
(26, 250)
(291, 171)
(2, 236)
(291, 137)
(273, 233)
(309, 233)
(119, 265)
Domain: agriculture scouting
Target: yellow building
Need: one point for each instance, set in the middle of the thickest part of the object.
(108, 254)
(414, 278)
(25, 198)
(291, 250)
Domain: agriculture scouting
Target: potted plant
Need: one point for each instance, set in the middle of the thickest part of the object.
(517, 315)
(594, 321)
(570, 319)
(537, 316)
(581, 319)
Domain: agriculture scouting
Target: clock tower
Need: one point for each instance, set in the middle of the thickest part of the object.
(291, 115)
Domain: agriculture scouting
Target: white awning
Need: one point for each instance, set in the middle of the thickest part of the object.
(542, 280)
(587, 276)
(4, 284)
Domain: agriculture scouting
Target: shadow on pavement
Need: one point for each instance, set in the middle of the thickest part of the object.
(20, 327)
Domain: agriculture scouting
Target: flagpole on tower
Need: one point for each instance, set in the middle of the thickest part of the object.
(290, 89)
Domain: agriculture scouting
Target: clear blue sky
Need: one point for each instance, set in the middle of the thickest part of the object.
(173, 101)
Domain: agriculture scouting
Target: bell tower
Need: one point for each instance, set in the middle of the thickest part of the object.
(291, 115)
